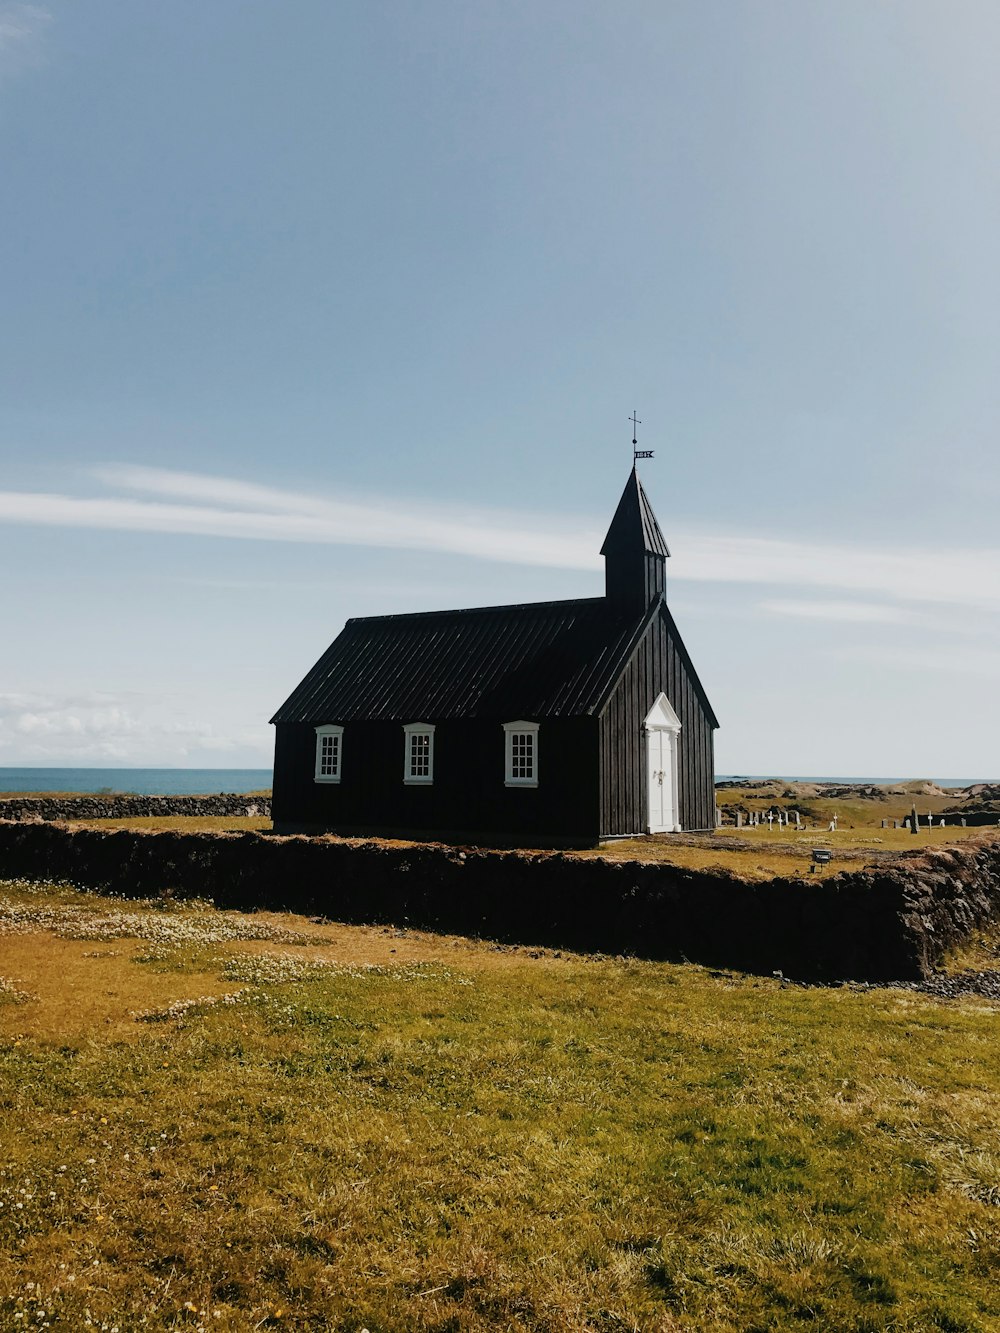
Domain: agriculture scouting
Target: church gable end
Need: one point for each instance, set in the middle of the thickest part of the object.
(659, 664)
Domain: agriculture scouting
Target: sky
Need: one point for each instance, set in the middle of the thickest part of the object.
(313, 310)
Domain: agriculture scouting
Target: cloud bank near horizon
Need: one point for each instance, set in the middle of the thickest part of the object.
(102, 728)
(185, 503)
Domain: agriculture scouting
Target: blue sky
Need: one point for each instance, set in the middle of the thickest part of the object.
(316, 310)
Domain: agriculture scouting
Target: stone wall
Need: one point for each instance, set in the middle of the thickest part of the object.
(131, 807)
(891, 923)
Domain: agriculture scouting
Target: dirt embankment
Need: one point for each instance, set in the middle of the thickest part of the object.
(879, 923)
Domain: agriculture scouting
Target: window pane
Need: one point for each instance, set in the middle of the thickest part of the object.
(420, 754)
(329, 756)
(522, 745)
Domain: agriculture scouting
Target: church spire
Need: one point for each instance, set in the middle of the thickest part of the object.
(635, 553)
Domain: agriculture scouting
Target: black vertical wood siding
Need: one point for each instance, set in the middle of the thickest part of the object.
(468, 795)
(635, 578)
(658, 664)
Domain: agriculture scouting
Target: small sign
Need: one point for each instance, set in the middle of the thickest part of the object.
(821, 856)
(643, 453)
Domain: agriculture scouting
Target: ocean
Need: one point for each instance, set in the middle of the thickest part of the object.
(847, 782)
(141, 781)
(210, 781)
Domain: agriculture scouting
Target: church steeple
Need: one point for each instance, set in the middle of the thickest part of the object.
(635, 553)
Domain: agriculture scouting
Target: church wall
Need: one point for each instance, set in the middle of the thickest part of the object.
(468, 793)
(658, 664)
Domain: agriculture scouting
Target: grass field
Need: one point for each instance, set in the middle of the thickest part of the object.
(222, 1121)
(762, 853)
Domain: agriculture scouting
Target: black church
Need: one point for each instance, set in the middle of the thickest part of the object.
(550, 722)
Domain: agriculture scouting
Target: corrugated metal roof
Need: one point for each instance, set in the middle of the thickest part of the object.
(543, 659)
(634, 522)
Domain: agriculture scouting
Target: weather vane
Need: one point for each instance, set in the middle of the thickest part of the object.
(638, 453)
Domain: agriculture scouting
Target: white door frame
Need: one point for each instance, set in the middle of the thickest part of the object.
(663, 724)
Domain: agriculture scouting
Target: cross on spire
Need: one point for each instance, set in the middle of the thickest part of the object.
(637, 453)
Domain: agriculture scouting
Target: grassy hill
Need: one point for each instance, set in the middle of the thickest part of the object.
(863, 805)
(221, 1121)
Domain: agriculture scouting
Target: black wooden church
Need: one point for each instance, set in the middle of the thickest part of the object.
(558, 722)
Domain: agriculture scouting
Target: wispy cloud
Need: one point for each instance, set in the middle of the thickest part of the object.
(21, 29)
(164, 501)
(858, 613)
(230, 508)
(954, 577)
(946, 659)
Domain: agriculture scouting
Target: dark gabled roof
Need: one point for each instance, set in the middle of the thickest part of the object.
(543, 659)
(634, 523)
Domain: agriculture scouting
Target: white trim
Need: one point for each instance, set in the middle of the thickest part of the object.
(410, 730)
(662, 718)
(322, 760)
(512, 729)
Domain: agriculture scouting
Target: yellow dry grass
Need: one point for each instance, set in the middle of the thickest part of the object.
(746, 863)
(763, 853)
(180, 823)
(464, 1140)
(81, 988)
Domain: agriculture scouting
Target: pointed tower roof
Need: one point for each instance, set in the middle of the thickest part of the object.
(634, 523)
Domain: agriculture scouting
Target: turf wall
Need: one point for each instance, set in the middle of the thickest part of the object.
(891, 923)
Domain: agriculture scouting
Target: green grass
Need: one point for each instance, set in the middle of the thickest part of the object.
(396, 1132)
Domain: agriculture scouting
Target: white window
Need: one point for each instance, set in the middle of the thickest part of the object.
(418, 753)
(329, 751)
(521, 746)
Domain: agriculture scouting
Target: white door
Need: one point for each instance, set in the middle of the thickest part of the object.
(659, 779)
(662, 729)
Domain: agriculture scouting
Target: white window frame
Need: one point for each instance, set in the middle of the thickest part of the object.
(512, 729)
(410, 730)
(321, 734)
